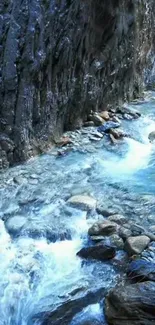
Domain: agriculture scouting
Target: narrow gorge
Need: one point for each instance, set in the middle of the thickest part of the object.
(61, 59)
(77, 162)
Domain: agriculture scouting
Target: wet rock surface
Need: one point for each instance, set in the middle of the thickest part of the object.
(104, 228)
(132, 304)
(136, 245)
(141, 270)
(64, 312)
(99, 252)
(82, 201)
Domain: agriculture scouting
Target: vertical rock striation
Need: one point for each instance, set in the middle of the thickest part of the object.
(59, 59)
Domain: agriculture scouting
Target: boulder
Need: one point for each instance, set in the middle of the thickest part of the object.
(141, 270)
(99, 252)
(116, 119)
(63, 141)
(116, 241)
(151, 136)
(133, 304)
(105, 115)
(15, 224)
(97, 134)
(128, 117)
(112, 138)
(104, 228)
(107, 126)
(97, 239)
(83, 202)
(129, 113)
(117, 134)
(152, 228)
(88, 124)
(118, 218)
(20, 180)
(63, 311)
(136, 245)
(98, 120)
(124, 233)
(105, 212)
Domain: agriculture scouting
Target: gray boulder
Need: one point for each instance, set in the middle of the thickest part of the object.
(136, 245)
(151, 136)
(104, 228)
(118, 218)
(83, 202)
(131, 305)
(15, 224)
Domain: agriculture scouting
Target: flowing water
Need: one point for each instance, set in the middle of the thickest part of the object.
(40, 234)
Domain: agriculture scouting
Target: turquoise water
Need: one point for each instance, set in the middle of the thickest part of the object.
(39, 266)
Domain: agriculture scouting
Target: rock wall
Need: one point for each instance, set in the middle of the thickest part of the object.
(59, 59)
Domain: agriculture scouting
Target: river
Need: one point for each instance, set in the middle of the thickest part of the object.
(40, 233)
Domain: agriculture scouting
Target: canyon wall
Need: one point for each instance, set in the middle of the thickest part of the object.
(60, 59)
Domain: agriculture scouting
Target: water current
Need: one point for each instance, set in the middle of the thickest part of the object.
(40, 233)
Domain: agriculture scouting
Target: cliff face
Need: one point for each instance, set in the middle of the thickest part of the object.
(59, 59)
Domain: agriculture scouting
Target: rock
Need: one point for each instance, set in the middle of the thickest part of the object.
(131, 305)
(105, 115)
(63, 152)
(34, 176)
(20, 180)
(141, 270)
(152, 228)
(63, 311)
(116, 241)
(97, 239)
(117, 134)
(83, 202)
(104, 228)
(15, 224)
(129, 113)
(128, 117)
(97, 134)
(107, 126)
(33, 181)
(151, 136)
(105, 212)
(112, 138)
(116, 119)
(97, 120)
(118, 218)
(124, 233)
(94, 138)
(64, 141)
(136, 245)
(89, 123)
(99, 252)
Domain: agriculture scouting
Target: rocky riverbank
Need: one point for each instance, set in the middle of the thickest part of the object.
(79, 218)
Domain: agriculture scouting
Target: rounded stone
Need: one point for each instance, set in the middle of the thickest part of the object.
(136, 245)
(15, 224)
(118, 218)
(151, 136)
(84, 202)
(117, 241)
(104, 228)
